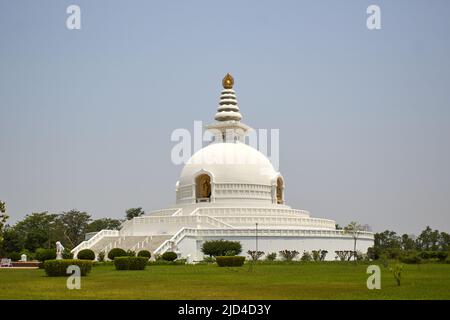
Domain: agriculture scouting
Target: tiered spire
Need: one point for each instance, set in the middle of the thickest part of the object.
(228, 127)
(228, 109)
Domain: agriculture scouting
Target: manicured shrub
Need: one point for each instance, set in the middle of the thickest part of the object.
(230, 261)
(344, 255)
(86, 254)
(271, 256)
(43, 255)
(145, 254)
(130, 263)
(121, 263)
(216, 248)
(116, 252)
(306, 256)
(169, 256)
(316, 255)
(319, 255)
(58, 268)
(255, 255)
(289, 255)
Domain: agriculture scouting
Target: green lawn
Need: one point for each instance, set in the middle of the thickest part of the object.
(282, 281)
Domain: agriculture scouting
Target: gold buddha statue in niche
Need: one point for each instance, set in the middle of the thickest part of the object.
(203, 186)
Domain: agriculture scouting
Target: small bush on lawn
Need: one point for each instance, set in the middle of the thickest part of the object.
(216, 248)
(255, 255)
(306, 256)
(130, 263)
(169, 256)
(289, 255)
(86, 254)
(271, 256)
(43, 255)
(145, 254)
(230, 261)
(58, 268)
(319, 255)
(116, 252)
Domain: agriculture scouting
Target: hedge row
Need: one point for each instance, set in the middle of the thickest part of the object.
(58, 268)
(130, 263)
(418, 257)
(230, 261)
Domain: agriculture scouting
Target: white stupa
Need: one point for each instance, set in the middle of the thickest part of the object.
(228, 190)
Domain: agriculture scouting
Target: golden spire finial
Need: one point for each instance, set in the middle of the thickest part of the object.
(228, 81)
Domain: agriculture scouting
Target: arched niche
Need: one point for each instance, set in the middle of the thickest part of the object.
(203, 188)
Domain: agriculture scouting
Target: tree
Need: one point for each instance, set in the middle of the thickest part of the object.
(134, 212)
(216, 248)
(428, 240)
(444, 241)
(387, 240)
(74, 225)
(407, 242)
(104, 223)
(354, 229)
(11, 241)
(36, 230)
(3, 218)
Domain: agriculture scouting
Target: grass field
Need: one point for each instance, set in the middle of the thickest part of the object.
(264, 281)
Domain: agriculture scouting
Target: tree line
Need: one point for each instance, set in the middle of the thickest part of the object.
(43, 229)
(389, 244)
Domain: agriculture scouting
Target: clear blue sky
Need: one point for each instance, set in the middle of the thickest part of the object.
(86, 116)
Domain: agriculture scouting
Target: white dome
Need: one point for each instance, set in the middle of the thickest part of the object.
(229, 163)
